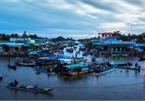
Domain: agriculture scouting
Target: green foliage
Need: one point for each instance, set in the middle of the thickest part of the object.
(5, 47)
(89, 45)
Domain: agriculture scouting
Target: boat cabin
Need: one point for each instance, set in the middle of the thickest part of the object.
(75, 69)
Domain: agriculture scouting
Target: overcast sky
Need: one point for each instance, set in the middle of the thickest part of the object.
(72, 18)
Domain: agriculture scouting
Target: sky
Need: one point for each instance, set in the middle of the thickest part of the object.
(72, 18)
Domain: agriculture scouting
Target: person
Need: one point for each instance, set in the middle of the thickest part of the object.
(136, 64)
(35, 86)
(11, 84)
(15, 82)
(9, 62)
(48, 70)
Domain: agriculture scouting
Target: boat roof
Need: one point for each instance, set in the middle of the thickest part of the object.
(75, 66)
(65, 59)
(43, 58)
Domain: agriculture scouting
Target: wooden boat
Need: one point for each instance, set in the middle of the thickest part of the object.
(40, 69)
(103, 71)
(1, 76)
(69, 49)
(122, 64)
(30, 89)
(128, 67)
(26, 63)
(11, 65)
(141, 57)
(66, 61)
(46, 61)
(76, 69)
(125, 54)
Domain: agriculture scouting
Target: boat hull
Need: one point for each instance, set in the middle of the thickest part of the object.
(26, 64)
(75, 73)
(1, 76)
(141, 58)
(29, 89)
(12, 66)
(104, 72)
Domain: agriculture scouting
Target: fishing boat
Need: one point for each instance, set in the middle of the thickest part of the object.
(46, 61)
(75, 69)
(66, 61)
(128, 67)
(122, 64)
(31, 63)
(1, 76)
(41, 69)
(105, 70)
(30, 89)
(11, 65)
(141, 57)
(69, 49)
(25, 62)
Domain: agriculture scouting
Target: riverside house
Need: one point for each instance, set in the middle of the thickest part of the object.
(109, 44)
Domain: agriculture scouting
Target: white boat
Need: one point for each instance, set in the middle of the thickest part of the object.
(105, 71)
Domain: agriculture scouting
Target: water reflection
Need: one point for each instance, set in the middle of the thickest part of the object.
(69, 78)
(12, 69)
(121, 82)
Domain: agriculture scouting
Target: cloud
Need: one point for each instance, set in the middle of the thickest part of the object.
(73, 17)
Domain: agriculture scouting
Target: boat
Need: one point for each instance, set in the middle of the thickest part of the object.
(128, 67)
(46, 61)
(30, 89)
(69, 49)
(30, 63)
(1, 76)
(122, 64)
(125, 54)
(41, 69)
(25, 62)
(141, 57)
(103, 71)
(11, 65)
(76, 69)
(66, 61)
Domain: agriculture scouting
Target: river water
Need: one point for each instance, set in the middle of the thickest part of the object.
(116, 85)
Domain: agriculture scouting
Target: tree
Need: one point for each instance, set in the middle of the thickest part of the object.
(24, 36)
(5, 47)
(89, 45)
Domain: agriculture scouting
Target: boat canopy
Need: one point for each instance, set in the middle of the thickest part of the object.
(43, 58)
(73, 66)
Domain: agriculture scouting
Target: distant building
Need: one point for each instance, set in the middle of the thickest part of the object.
(106, 35)
(22, 40)
(12, 46)
(41, 40)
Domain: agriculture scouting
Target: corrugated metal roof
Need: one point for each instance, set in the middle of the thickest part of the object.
(11, 44)
(140, 45)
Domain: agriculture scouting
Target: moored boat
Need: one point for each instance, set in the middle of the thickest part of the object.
(76, 69)
(25, 62)
(141, 57)
(128, 67)
(30, 89)
(105, 70)
(122, 64)
(41, 69)
(46, 61)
